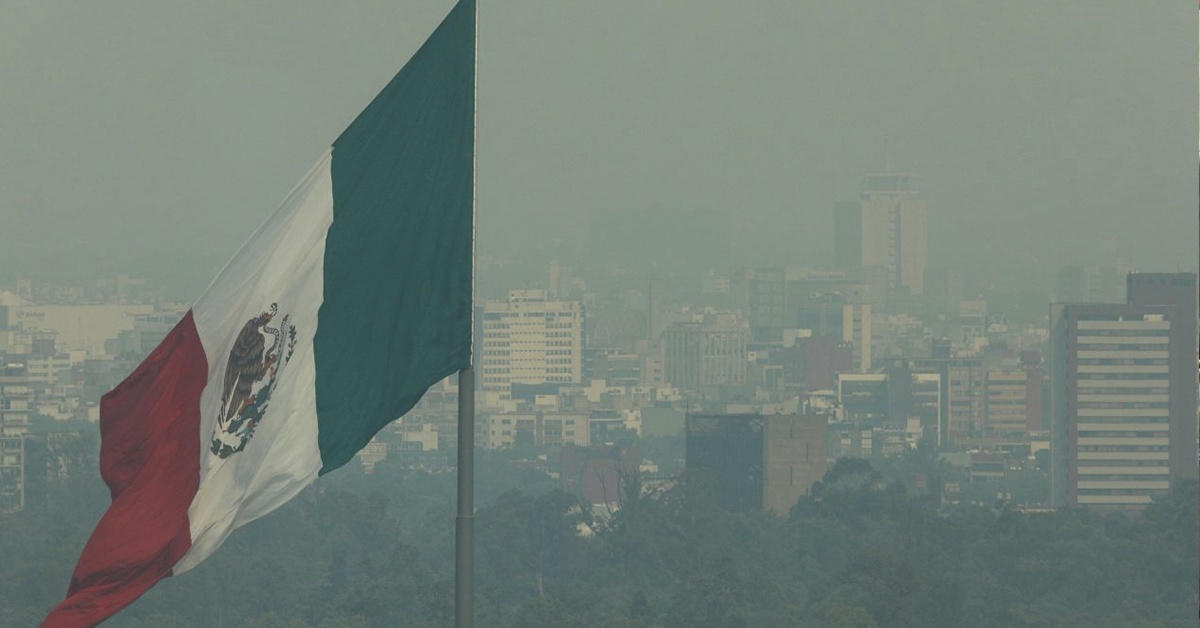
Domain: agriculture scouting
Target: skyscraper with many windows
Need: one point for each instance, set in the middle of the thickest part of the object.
(1111, 373)
(1177, 290)
(529, 339)
(1124, 393)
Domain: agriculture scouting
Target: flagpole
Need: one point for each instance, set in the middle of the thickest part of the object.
(464, 529)
(464, 524)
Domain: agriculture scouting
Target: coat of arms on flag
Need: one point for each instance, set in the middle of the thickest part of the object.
(245, 396)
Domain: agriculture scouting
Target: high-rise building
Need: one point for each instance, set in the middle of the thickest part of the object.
(1177, 290)
(709, 351)
(887, 227)
(1124, 394)
(529, 339)
(1111, 390)
(755, 462)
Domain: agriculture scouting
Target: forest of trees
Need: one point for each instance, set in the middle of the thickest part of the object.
(376, 551)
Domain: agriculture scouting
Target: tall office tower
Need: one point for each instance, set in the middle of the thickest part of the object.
(750, 462)
(1112, 387)
(888, 227)
(1177, 290)
(706, 352)
(529, 339)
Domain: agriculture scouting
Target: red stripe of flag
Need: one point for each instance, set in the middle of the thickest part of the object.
(150, 459)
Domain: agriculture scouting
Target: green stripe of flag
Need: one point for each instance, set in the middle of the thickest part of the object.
(396, 316)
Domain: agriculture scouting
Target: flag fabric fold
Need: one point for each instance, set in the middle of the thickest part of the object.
(331, 321)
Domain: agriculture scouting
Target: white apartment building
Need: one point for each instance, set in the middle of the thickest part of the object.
(530, 339)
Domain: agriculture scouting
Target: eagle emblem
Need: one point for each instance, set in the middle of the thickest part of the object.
(250, 379)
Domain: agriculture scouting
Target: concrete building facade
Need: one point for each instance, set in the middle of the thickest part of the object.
(710, 351)
(529, 339)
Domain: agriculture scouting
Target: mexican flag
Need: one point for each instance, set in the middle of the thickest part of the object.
(331, 321)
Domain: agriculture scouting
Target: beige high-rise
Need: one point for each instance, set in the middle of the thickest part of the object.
(529, 339)
(887, 228)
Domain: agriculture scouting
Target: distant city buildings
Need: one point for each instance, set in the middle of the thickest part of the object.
(84, 326)
(767, 374)
(60, 349)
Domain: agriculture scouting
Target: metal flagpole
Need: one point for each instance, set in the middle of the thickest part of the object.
(464, 529)
(464, 524)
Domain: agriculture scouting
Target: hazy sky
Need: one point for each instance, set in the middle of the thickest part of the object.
(152, 137)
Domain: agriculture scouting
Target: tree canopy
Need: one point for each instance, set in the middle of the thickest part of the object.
(358, 551)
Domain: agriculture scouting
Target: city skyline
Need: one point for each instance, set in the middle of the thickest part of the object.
(630, 315)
